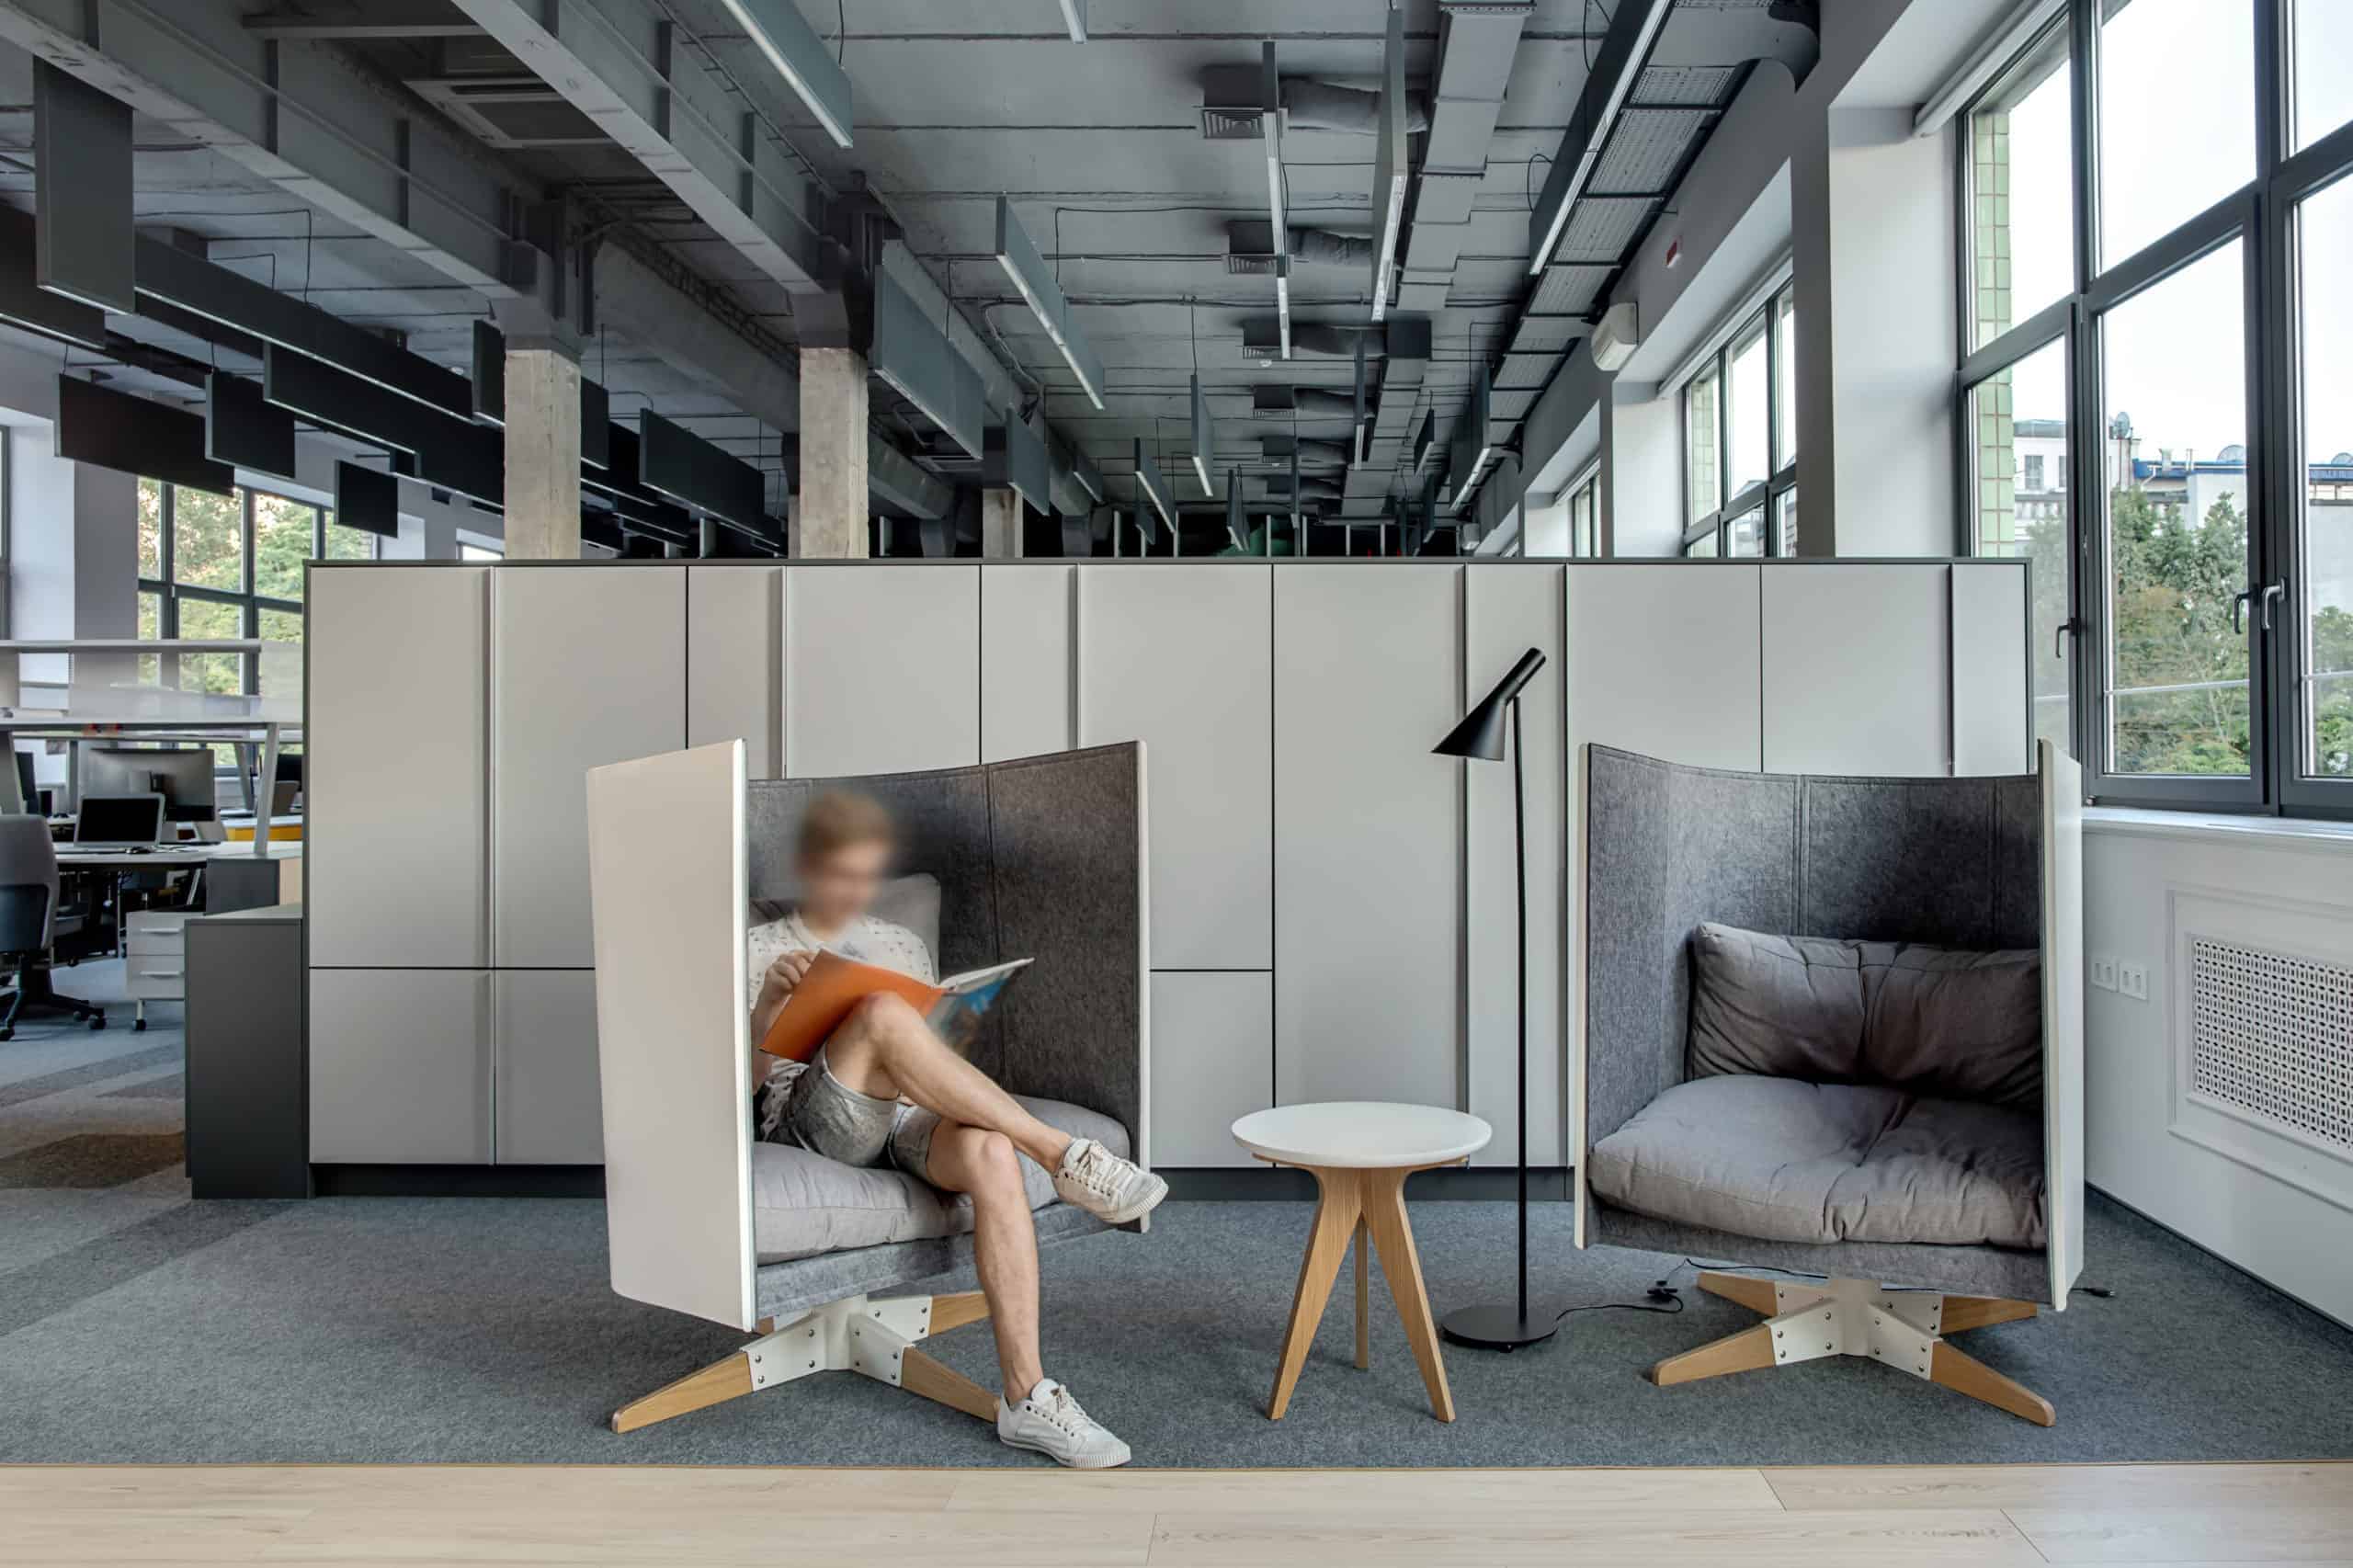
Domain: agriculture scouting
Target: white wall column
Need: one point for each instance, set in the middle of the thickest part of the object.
(73, 555)
(542, 454)
(1001, 525)
(832, 515)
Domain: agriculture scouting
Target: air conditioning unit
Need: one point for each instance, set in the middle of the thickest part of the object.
(1615, 340)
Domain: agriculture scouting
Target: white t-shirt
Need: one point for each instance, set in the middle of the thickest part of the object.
(867, 938)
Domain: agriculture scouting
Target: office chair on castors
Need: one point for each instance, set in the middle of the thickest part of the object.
(29, 924)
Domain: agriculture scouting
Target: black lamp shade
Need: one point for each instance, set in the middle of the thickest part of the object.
(1481, 733)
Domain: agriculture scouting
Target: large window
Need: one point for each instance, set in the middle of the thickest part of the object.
(1739, 438)
(1584, 513)
(2155, 387)
(229, 566)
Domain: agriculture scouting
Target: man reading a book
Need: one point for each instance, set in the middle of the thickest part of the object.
(884, 1090)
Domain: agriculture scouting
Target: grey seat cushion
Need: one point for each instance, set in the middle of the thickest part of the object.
(1937, 1021)
(1784, 1160)
(804, 1204)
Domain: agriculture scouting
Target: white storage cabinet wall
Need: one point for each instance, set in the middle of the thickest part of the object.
(1332, 905)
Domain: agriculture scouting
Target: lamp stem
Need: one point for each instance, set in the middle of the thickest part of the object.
(1519, 862)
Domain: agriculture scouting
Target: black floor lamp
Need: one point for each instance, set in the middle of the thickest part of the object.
(1481, 735)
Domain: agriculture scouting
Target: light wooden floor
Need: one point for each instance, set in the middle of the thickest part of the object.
(2180, 1515)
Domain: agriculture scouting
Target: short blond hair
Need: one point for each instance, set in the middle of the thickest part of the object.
(842, 819)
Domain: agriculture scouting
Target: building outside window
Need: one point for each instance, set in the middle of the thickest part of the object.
(1740, 438)
(2192, 548)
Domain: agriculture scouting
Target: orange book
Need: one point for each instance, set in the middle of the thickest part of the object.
(836, 984)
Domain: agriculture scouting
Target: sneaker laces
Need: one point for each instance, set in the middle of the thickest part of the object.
(1094, 1170)
(1065, 1412)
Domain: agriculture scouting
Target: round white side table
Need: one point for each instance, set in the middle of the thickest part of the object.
(1360, 1152)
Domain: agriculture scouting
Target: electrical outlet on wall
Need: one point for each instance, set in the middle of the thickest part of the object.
(2132, 979)
(2103, 972)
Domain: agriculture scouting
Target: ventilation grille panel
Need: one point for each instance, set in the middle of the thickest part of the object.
(2272, 1036)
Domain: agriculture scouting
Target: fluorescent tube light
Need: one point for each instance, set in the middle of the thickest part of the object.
(1074, 18)
(1282, 301)
(1270, 101)
(1566, 181)
(1030, 276)
(778, 31)
(1237, 527)
(1390, 169)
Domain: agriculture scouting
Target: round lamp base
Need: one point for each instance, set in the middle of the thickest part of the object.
(1497, 1328)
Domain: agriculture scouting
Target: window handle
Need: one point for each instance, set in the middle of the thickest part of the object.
(2072, 627)
(2238, 611)
(2272, 594)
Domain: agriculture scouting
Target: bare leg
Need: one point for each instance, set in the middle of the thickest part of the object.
(1005, 1243)
(885, 1049)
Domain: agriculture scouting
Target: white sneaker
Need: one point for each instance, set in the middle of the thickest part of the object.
(1112, 1190)
(1050, 1422)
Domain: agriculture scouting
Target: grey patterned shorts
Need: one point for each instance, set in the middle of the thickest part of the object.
(822, 1114)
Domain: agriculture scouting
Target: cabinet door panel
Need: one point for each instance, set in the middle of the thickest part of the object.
(397, 793)
(1661, 660)
(1508, 610)
(1213, 1062)
(400, 1066)
(1990, 726)
(1025, 661)
(1854, 670)
(1144, 634)
(588, 667)
(733, 632)
(549, 1113)
(881, 669)
(1368, 832)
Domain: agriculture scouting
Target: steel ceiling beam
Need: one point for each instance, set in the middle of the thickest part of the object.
(619, 62)
(293, 113)
(361, 20)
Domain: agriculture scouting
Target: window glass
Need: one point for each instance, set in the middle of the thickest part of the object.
(2022, 192)
(1744, 535)
(207, 540)
(349, 544)
(151, 626)
(2323, 43)
(210, 618)
(476, 552)
(1581, 542)
(151, 530)
(283, 533)
(2019, 420)
(282, 625)
(1785, 523)
(1705, 545)
(1749, 419)
(1785, 354)
(2172, 431)
(1700, 435)
(2177, 114)
(2325, 248)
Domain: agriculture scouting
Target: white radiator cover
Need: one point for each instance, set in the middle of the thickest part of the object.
(2272, 1037)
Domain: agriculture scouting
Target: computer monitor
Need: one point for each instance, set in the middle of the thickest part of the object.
(182, 775)
(119, 820)
(25, 788)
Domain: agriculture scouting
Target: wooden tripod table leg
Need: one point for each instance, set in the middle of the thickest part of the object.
(1401, 1265)
(1364, 1298)
(1337, 1211)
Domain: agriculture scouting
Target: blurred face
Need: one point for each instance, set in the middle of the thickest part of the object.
(836, 889)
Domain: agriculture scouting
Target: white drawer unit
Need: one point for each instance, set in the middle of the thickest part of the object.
(154, 961)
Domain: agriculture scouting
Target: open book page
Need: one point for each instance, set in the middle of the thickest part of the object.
(836, 984)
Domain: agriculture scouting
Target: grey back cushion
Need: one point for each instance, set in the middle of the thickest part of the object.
(1940, 1021)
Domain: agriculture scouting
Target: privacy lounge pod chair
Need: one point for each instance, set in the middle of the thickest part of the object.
(1041, 857)
(1934, 1178)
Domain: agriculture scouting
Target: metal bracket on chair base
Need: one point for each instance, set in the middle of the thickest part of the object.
(1807, 1321)
(873, 1338)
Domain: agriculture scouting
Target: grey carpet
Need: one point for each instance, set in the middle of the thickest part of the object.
(482, 1330)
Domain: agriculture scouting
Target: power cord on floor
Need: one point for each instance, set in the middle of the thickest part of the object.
(1661, 1297)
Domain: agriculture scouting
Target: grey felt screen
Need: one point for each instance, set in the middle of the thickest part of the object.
(1040, 859)
(1946, 862)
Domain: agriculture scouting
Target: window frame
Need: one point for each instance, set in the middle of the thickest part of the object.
(1585, 488)
(250, 603)
(1759, 317)
(2261, 216)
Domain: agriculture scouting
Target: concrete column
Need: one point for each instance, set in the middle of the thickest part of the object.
(1001, 525)
(543, 455)
(831, 518)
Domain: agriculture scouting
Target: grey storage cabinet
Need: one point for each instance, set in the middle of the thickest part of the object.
(400, 1066)
(588, 665)
(396, 768)
(543, 1031)
(247, 1133)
